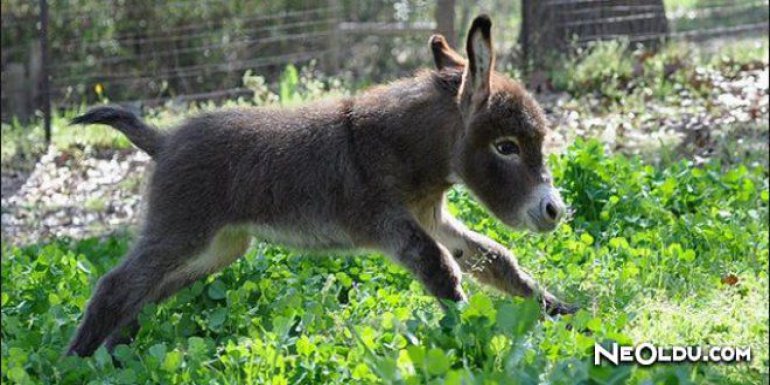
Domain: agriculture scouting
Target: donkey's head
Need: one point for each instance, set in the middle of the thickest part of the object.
(500, 154)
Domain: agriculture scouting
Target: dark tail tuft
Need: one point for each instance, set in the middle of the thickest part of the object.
(142, 135)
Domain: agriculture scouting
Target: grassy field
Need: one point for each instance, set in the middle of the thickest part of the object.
(665, 251)
(676, 255)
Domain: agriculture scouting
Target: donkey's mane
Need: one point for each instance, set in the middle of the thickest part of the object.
(447, 80)
(424, 83)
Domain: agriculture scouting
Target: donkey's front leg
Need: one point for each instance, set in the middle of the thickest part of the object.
(407, 242)
(491, 263)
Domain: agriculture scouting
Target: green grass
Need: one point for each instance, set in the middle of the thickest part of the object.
(644, 253)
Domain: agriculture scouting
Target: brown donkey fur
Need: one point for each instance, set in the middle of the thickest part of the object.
(366, 172)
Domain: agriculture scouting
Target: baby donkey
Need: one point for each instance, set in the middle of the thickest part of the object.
(366, 172)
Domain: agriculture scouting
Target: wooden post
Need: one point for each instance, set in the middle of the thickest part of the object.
(45, 85)
(445, 20)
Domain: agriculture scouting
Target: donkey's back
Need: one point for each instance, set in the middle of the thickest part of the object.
(288, 174)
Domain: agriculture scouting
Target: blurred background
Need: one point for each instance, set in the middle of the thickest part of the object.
(149, 52)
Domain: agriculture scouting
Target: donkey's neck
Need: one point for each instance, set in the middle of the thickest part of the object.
(406, 131)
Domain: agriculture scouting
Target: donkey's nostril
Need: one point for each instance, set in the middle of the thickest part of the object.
(551, 209)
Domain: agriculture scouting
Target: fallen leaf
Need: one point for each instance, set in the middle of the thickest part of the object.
(730, 279)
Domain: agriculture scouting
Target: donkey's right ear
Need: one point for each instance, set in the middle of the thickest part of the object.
(443, 55)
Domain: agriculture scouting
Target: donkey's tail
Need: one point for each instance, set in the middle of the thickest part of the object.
(144, 136)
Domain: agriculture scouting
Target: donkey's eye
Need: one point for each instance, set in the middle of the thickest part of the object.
(507, 147)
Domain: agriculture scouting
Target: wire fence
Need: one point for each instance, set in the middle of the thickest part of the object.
(151, 52)
(189, 59)
(563, 24)
(111, 50)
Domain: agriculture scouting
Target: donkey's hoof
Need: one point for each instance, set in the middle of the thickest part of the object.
(71, 351)
(559, 308)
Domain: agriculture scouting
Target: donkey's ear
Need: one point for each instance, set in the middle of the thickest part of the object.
(481, 59)
(443, 55)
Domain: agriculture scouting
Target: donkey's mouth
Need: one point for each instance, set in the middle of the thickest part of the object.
(539, 224)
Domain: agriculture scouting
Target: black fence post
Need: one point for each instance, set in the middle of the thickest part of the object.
(45, 85)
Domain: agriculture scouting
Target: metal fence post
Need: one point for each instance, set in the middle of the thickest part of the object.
(45, 85)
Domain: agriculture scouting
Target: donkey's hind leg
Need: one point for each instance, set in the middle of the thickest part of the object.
(122, 292)
(229, 244)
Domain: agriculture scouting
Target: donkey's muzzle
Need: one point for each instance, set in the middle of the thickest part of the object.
(551, 209)
(544, 209)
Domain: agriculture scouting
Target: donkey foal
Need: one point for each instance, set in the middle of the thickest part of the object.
(365, 172)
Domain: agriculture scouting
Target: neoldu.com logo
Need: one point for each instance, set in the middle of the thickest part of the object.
(647, 354)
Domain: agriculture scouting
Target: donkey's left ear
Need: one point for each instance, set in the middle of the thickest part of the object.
(443, 55)
(481, 59)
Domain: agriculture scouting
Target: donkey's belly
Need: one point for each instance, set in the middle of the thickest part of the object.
(318, 236)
